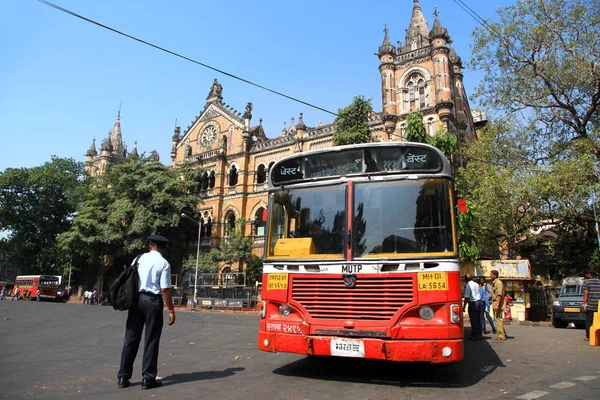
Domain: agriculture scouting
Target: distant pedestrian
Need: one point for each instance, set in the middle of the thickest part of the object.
(94, 296)
(473, 298)
(498, 294)
(486, 306)
(154, 291)
(37, 295)
(591, 296)
(3, 293)
(16, 294)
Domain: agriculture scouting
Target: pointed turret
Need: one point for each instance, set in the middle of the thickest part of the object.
(417, 34)
(116, 139)
(134, 155)
(92, 150)
(438, 31)
(386, 47)
(216, 93)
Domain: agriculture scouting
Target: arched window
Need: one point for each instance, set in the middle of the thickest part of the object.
(233, 176)
(207, 228)
(229, 223)
(430, 127)
(261, 174)
(204, 181)
(259, 222)
(411, 92)
(421, 85)
(418, 92)
(211, 180)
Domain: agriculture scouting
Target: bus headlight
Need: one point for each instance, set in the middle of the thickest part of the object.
(284, 310)
(426, 313)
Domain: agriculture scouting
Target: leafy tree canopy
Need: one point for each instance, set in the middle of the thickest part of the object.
(352, 123)
(415, 130)
(36, 205)
(542, 63)
(122, 208)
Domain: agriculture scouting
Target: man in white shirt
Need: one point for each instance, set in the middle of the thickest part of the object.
(473, 298)
(154, 291)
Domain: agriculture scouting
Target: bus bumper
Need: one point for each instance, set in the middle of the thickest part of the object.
(435, 351)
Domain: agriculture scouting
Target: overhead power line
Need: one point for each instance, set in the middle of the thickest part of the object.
(182, 56)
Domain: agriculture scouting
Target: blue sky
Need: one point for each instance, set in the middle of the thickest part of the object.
(62, 79)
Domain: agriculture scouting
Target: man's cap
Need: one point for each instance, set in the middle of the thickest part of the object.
(158, 239)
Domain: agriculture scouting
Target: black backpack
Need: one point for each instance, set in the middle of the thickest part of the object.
(123, 293)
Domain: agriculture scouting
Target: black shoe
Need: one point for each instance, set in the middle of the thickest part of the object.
(150, 384)
(123, 383)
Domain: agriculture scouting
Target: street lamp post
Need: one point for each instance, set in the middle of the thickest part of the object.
(197, 258)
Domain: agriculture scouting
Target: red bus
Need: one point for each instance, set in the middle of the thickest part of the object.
(29, 284)
(361, 255)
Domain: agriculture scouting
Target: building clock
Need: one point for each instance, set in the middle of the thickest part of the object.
(208, 136)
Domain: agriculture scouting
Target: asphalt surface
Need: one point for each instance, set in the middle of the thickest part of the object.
(60, 351)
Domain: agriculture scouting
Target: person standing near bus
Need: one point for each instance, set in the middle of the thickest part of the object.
(473, 298)
(155, 280)
(591, 296)
(498, 294)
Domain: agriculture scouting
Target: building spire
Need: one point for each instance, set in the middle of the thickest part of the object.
(418, 32)
(386, 47)
(438, 30)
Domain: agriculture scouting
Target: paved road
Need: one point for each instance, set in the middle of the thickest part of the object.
(58, 351)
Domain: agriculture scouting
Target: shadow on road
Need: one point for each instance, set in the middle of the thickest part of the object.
(199, 376)
(480, 360)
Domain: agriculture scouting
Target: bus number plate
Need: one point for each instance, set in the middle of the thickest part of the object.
(277, 282)
(433, 281)
(572, 309)
(347, 348)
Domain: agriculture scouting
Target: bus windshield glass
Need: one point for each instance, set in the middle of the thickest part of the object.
(313, 220)
(48, 281)
(402, 218)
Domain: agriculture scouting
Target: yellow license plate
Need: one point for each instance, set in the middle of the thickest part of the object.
(432, 281)
(567, 309)
(277, 282)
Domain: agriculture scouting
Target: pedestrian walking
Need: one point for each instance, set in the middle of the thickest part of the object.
(94, 296)
(3, 293)
(498, 293)
(486, 305)
(473, 298)
(15, 294)
(591, 296)
(154, 291)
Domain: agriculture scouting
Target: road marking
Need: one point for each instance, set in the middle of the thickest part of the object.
(536, 394)
(585, 378)
(562, 385)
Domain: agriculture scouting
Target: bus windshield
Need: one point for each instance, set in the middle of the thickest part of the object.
(317, 215)
(48, 281)
(393, 218)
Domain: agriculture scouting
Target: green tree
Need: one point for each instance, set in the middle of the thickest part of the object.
(122, 208)
(415, 130)
(541, 60)
(352, 123)
(36, 205)
(236, 248)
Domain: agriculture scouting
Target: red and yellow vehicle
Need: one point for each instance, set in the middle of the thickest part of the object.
(29, 285)
(361, 255)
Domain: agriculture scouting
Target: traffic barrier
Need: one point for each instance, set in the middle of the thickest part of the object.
(595, 328)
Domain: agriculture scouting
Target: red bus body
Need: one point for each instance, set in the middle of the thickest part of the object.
(370, 297)
(29, 285)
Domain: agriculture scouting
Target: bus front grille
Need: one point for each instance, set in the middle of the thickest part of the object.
(373, 298)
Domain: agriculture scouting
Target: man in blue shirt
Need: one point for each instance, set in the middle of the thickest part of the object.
(154, 289)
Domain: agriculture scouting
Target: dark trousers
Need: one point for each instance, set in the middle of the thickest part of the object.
(589, 318)
(475, 316)
(149, 313)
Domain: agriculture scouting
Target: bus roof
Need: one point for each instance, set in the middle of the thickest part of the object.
(360, 159)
